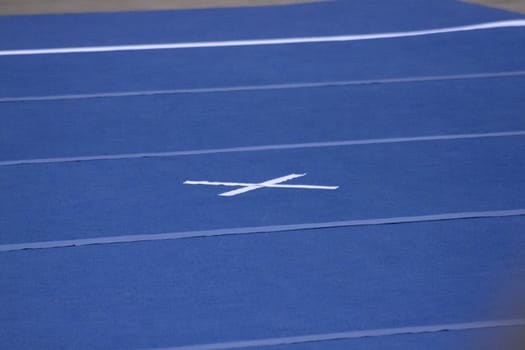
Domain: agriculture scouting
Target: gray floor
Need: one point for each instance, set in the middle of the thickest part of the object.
(10, 7)
(512, 5)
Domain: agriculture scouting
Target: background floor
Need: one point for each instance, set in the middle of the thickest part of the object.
(511, 5)
(9, 7)
(78, 6)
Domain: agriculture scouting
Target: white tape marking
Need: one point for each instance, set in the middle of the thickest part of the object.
(215, 183)
(259, 42)
(246, 187)
(260, 185)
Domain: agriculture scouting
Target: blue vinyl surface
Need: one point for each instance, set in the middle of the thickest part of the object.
(148, 196)
(43, 129)
(195, 291)
(444, 54)
(249, 287)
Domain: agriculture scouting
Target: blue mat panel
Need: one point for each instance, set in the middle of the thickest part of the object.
(196, 291)
(218, 120)
(83, 200)
(454, 53)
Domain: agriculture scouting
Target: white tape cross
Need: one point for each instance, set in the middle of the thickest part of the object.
(273, 183)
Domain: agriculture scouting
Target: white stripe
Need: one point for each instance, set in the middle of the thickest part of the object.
(263, 87)
(261, 148)
(259, 42)
(382, 332)
(244, 184)
(258, 229)
(252, 187)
